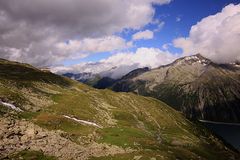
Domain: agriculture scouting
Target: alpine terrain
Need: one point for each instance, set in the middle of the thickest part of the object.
(194, 85)
(46, 116)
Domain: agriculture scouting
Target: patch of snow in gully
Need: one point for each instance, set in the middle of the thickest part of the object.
(82, 121)
(11, 106)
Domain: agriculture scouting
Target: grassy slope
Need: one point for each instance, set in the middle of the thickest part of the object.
(147, 125)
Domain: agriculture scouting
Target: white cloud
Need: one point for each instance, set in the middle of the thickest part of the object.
(147, 34)
(122, 63)
(216, 37)
(93, 45)
(31, 30)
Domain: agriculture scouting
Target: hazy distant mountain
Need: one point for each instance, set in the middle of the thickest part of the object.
(81, 77)
(194, 85)
(94, 80)
(85, 77)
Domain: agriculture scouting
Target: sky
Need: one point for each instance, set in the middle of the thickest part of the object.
(113, 37)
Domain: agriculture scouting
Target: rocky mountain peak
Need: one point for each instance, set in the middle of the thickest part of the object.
(198, 58)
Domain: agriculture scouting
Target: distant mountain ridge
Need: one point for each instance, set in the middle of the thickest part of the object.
(82, 77)
(194, 85)
(101, 82)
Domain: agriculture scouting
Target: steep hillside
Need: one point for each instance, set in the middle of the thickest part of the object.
(45, 116)
(104, 82)
(194, 85)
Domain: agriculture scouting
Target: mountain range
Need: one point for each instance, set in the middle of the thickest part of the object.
(47, 116)
(194, 85)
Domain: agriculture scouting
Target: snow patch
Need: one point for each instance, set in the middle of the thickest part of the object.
(82, 121)
(11, 106)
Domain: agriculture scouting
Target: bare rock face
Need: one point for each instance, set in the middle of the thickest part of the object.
(18, 135)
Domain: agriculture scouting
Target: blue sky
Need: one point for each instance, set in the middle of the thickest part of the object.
(188, 13)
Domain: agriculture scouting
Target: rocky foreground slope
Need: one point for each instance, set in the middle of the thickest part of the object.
(45, 116)
(194, 85)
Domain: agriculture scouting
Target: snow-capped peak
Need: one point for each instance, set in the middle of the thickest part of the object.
(194, 59)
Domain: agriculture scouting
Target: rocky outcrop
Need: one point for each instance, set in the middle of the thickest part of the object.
(17, 135)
